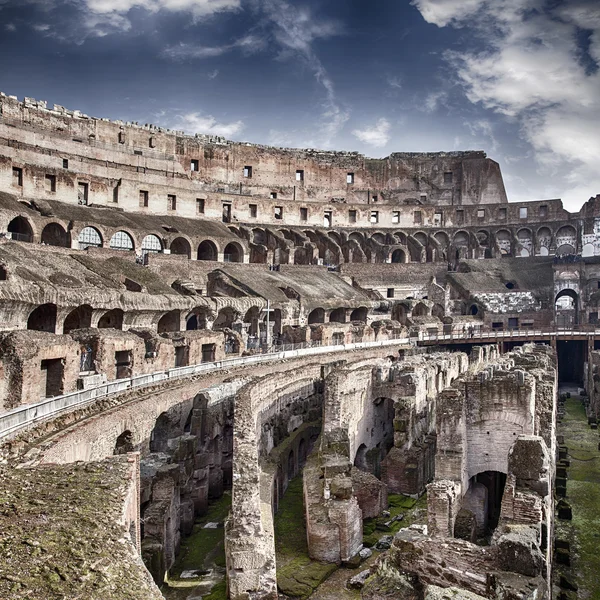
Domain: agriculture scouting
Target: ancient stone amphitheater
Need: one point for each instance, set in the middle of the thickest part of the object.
(185, 319)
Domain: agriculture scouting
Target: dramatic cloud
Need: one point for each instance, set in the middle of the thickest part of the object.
(198, 8)
(377, 136)
(534, 69)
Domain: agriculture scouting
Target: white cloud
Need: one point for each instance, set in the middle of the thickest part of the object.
(394, 82)
(248, 44)
(532, 71)
(434, 100)
(41, 27)
(10, 27)
(196, 122)
(482, 129)
(377, 136)
(198, 8)
(213, 74)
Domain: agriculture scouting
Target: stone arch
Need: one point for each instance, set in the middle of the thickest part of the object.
(111, 319)
(438, 311)
(54, 234)
(20, 230)
(543, 241)
(169, 322)
(461, 245)
(151, 244)
(566, 307)
(233, 252)
(43, 318)
(316, 316)
(378, 237)
(566, 240)
(420, 310)
(360, 458)
(251, 319)
(359, 314)
(399, 313)
(207, 250)
(181, 246)
(89, 237)
(401, 237)
(165, 428)
(198, 318)
(504, 242)
(421, 237)
(525, 239)
(124, 443)
(79, 318)
(337, 315)
(121, 240)
(225, 318)
(398, 256)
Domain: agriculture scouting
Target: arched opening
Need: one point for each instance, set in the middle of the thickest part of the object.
(399, 313)
(181, 246)
(420, 310)
(20, 230)
(151, 244)
(225, 318)
(360, 460)
(89, 237)
(484, 499)
(398, 256)
(251, 319)
(121, 240)
(301, 453)
(503, 242)
(113, 319)
(80, 318)
(316, 316)
(169, 322)
(55, 235)
(544, 241)
(566, 240)
(207, 250)
(197, 319)
(124, 443)
(337, 315)
(291, 465)
(359, 314)
(233, 253)
(474, 310)
(566, 307)
(43, 318)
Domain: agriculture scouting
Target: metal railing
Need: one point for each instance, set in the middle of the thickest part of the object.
(500, 334)
(22, 417)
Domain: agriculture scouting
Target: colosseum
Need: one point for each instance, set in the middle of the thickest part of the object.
(237, 371)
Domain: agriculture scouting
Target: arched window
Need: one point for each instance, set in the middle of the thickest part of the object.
(151, 243)
(20, 230)
(89, 237)
(181, 246)
(43, 318)
(398, 256)
(121, 241)
(55, 235)
(207, 251)
(233, 253)
(316, 316)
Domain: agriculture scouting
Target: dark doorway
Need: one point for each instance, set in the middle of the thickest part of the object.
(52, 377)
(494, 481)
(571, 356)
(182, 356)
(208, 352)
(123, 364)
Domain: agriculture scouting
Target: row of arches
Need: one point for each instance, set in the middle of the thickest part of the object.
(54, 234)
(337, 315)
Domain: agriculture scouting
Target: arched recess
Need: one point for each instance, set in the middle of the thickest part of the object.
(121, 240)
(566, 306)
(225, 318)
(359, 314)
(54, 234)
(80, 318)
(198, 319)
(43, 318)
(112, 319)
(251, 319)
(207, 250)
(20, 230)
(337, 315)
(89, 237)
(566, 240)
(461, 245)
(124, 443)
(544, 241)
(399, 313)
(165, 429)
(169, 322)
(420, 310)
(181, 247)
(504, 242)
(316, 316)
(398, 256)
(525, 239)
(151, 244)
(233, 252)
(421, 237)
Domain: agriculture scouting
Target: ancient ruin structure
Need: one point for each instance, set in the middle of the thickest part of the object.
(183, 317)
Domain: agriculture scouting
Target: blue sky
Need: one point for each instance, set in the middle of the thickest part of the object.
(516, 78)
